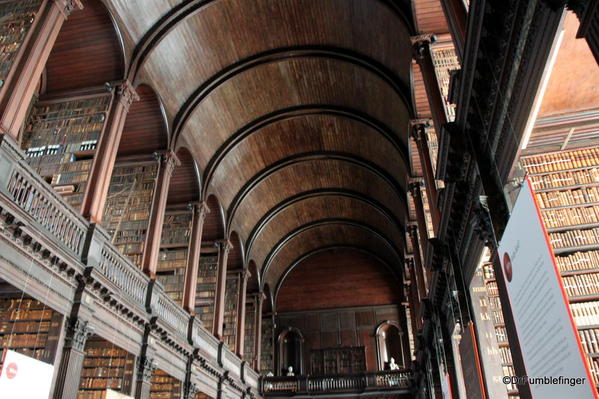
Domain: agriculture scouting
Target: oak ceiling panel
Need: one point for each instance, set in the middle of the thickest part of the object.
(323, 236)
(226, 31)
(311, 175)
(319, 208)
(429, 16)
(295, 82)
(304, 134)
(139, 16)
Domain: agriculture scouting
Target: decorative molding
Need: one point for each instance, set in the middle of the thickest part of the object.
(67, 7)
(77, 333)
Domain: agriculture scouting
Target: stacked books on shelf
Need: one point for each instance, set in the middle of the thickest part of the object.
(230, 316)
(172, 260)
(60, 139)
(206, 289)
(105, 366)
(127, 211)
(267, 354)
(164, 386)
(250, 327)
(17, 18)
(566, 186)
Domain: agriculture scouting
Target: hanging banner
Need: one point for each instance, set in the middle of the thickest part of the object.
(24, 377)
(551, 348)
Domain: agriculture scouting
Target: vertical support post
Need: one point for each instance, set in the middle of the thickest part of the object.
(145, 369)
(417, 294)
(25, 75)
(224, 246)
(245, 275)
(168, 162)
(100, 173)
(258, 329)
(419, 266)
(71, 363)
(414, 188)
(193, 256)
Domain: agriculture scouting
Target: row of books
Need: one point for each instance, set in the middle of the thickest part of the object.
(33, 340)
(559, 180)
(163, 386)
(230, 314)
(492, 288)
(22, 304)
(501, 334)
(104, 383)
(583, 195)
(578, 261)
(497, 316)
(28, 326)
(589, 339)
(581, 284)
(588, 157)
(570, 216)
(206, 288)
(585, 313)
(594, 366)
(574, 238)
(249, 330)
(19, 16)
(26, 314)
(115, 362)
(506, 355)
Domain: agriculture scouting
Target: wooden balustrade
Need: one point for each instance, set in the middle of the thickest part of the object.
(126, 277)
(169, 313)
(325, 384)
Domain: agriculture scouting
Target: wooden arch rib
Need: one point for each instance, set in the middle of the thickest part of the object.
(338, 157)
(315, 208)
(280, 55)
(302, 258)
(186, 8)
(320, 193)
(321, 234)
(303, 111)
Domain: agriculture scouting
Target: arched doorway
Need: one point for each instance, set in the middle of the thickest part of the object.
(389, 345)
(290, 346)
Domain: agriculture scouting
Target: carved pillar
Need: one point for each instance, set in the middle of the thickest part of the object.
(419, 266)
(193, 256)
(145, 369)
(245, 275)
(22, 81)
(418, 133)
(417, 294)
(456, 15)
(420, 218)
(100, 173)
(191, 391)
(168, 162)
(71, 363)
(258, 331)
(224, 246)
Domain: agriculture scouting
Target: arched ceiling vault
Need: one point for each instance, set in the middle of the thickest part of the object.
(296, 113)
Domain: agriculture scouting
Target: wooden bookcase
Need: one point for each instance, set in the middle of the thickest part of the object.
(105, 366)
(17, 18)
(342, 360)
(267, 354)
(127, 211)
(27, 326)
(250, 328)
(60, 139)
(566, 186)
(172, 260)
(164, 386)
(206, 289)
(230, 316)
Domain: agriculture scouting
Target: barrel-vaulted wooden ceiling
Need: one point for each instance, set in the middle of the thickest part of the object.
(296, 113)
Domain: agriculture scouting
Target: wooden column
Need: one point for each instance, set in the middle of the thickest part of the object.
(145, 369)
(245, 275)
(414, 308)
(418, 133)
(193, 256)
(419, 266)
(258, 331)
(71, 363)
(100, 173)
(23, 79)
(456, 15)
(418, 293)
(414, 188)
(224, 246)
(168, 162)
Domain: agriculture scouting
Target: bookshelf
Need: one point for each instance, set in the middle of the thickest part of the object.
(566, 187)
(60, 139)
(164, 386)
(127, 210)
(105, 366)
(250, 327)
(445, 60)
(17, 18)
(267, 355)
(230, 316)
(27, 326)
(174, 245)
(206, 289)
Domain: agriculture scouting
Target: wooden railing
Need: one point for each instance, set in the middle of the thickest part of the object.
(398, 380)
(121, 272)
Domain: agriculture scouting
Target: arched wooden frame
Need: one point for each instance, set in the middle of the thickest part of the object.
(280, 353)
(379, 338)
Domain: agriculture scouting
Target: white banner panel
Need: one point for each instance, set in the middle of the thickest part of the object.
(24, 377)
(550, 345)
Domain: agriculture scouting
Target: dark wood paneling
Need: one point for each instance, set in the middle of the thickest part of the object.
(213, 224)
(235, 259)
(87, 51)
(337, 278)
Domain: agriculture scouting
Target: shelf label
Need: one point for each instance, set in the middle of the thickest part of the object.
(18, 373)
(551, 349)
